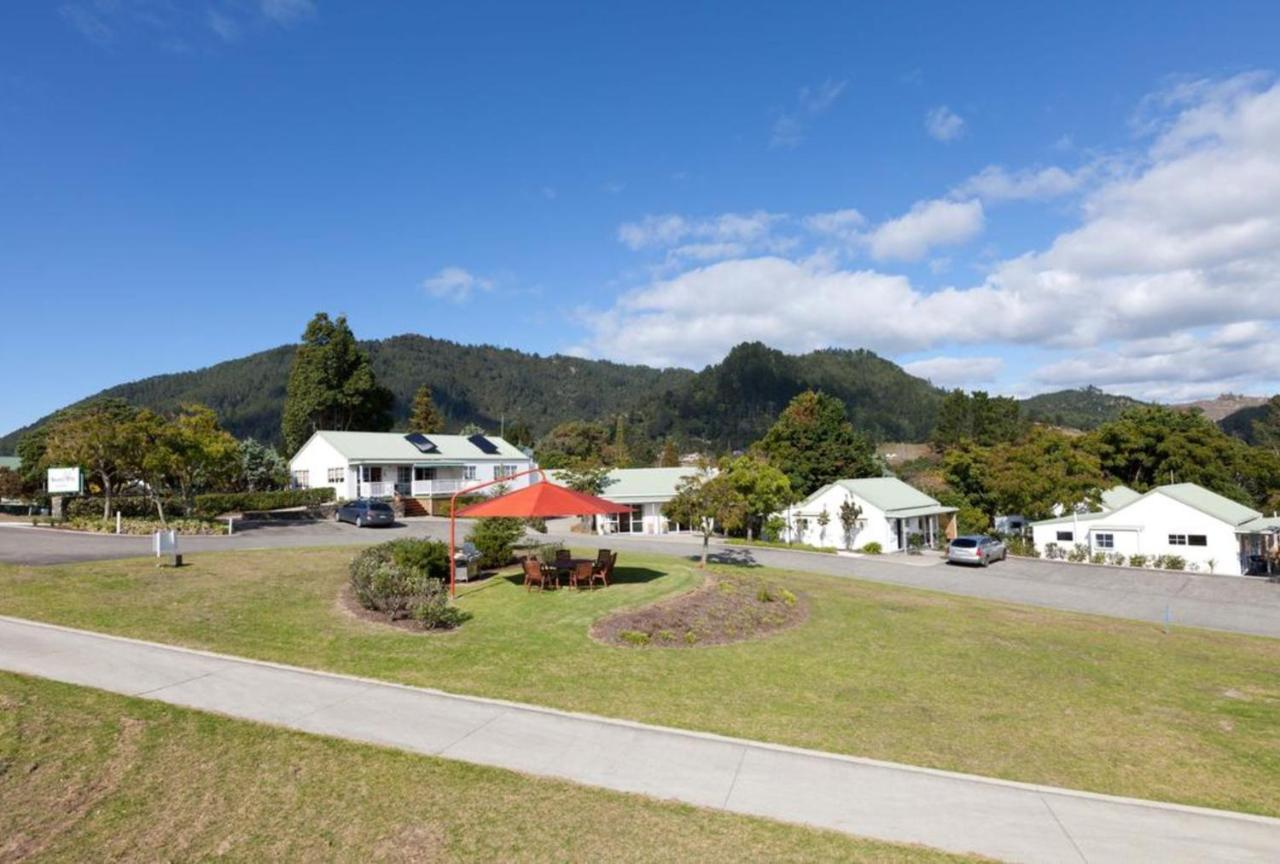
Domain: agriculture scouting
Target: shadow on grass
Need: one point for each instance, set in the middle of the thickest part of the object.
(621, 576)
(730, 557)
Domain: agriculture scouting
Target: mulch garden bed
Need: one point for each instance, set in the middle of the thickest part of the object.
(726, 609)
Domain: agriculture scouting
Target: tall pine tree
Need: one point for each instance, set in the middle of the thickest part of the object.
(332, 386)
(425, 417)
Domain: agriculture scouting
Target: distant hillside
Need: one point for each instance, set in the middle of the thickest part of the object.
(1086, 408)
(1240, 422)
(726, 405)
(1222, 407)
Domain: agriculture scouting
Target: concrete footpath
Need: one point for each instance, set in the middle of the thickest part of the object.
(955, 812)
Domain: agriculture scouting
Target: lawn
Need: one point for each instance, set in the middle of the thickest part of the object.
(86, 775)
(880, 671)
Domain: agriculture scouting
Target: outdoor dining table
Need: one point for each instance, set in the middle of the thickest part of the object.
(566, 566)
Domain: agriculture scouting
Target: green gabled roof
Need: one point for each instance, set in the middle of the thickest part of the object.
(1118, 496)
(640, 484)
(392, 447)
(1210, 503)
(885, 493)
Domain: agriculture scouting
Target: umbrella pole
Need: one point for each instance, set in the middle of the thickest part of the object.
(453, 500)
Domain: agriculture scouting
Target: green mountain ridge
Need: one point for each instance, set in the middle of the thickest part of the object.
(723, 406)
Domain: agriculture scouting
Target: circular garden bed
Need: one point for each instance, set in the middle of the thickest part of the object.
(727, 609)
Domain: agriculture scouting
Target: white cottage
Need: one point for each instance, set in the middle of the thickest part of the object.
(645, 490)
(384, 464)
(1203, 528)
(890, 511)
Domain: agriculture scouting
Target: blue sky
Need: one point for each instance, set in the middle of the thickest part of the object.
(997, 195)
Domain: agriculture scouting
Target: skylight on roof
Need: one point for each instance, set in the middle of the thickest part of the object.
(483, 444)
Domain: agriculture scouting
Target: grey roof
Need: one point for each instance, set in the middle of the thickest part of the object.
(1118, 496)
(888, 494)
(1261, 525)
(641, 484)
(1067, 518)
(392, 447)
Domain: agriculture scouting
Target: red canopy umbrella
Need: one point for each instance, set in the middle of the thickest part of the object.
(540, 499)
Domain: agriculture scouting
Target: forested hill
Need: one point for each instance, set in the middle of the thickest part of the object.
(1085, 408)
(725, 405)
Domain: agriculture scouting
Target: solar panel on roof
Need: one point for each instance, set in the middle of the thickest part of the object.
(483, 443)
(422, 442)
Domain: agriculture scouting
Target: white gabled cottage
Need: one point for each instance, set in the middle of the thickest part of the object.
(1205, 529)
(384, 464)
(890, 511)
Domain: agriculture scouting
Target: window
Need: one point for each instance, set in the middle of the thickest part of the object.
(302, 479)
(1104, 541)
(371, 473)
(404, 474)
(1197, 540)
(1066, 536)
(422, 473)
(468, 472)
(337, 475)
(502, 472)
(1177, 539)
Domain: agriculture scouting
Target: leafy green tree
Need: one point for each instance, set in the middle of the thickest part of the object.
(11, 483)
(593, 480)
(425, 417)
(1153, 445)
(813, 443)
(200, 455)
(670, 456)
(764, 489)
(1266, 428)
(495, 539)
(262, 468)
(618, 453)
(574, 444)
(332, 385)
(100, 438)
(472, 429)
(849, 515)
(978, 418)
(518, 434)
(703, 501)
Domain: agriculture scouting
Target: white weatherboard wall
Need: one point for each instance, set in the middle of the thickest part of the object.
(315, 458)
(872, 526)
(1144, 527)
(887, 504)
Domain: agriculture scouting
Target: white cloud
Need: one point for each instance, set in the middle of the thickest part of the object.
(455, 284)
(1167, 283)
(836, 223)
(994, 183)
(287, 11)
(926, 225)
(722, 236)
(956, 371)
(789, 127)
(943, 124)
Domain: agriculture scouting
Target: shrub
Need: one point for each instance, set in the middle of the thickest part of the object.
(495, 539)
(128, 506)
(1138, 561)
(434, 611)
(1078, 553)
(546, 552)
(634, 637)
(1115, 559)
(404, 579)
(215, 503)
(872, 548)
(787, 597)
(98, 525)
(915, 542)
(1171, 562)
(1098, 558)
(1021, 546)
(763, 595)
(773, 528)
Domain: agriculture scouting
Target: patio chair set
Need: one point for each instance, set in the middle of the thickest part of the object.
(581, 572)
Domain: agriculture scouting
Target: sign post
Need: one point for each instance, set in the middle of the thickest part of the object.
(62, 481)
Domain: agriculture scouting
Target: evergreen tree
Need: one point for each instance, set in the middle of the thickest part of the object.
(99, 438)
(331, 385)
(814, 444)
(764, 489)
(262, 468)
(425, 417)
(670, 456)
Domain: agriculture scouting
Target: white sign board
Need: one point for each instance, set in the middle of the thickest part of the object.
(63, 480)
(166, 543)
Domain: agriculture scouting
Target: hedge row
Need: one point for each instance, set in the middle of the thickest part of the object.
(211, 504)
(216, 503)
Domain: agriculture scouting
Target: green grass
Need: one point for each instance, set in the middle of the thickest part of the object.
(880, 671)
(89, 776)
(779, 544)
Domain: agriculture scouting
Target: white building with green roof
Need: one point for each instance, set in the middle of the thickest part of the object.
(1210, 532)
(889, 513)
(645, 491)
(385, 464)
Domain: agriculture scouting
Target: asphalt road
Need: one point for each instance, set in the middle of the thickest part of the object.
(1242, 605)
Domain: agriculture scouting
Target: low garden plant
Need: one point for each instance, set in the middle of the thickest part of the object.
(496, 540)
(872, 548)
(406, 579)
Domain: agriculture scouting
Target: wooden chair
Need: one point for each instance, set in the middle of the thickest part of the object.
(603, 570)
(533, 572)
(582, 572)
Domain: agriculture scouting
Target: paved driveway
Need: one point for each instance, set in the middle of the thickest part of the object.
(1242, 605)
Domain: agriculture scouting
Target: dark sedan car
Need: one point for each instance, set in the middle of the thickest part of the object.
(362, 512)
(976, 549)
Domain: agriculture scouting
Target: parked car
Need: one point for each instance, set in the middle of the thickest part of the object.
(362, 512)
(976, 549)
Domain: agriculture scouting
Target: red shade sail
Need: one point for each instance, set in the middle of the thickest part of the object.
(543, 499)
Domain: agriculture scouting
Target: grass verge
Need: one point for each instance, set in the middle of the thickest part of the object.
(891, 673)
(93, 776)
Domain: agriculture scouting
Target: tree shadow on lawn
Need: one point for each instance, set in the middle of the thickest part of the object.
(731, 558)
(621, 576)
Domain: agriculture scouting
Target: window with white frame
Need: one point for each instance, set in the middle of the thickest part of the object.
(302, 479)
(1104, 541)
(468, 472)
(502, 472)
(337, 475)
(1177, 539)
